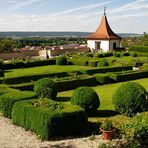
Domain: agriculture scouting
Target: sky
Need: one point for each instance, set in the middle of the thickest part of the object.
(124, 16)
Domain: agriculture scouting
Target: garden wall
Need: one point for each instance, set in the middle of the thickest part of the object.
(22, 54)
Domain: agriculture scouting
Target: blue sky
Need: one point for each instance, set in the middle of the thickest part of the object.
(126, 16)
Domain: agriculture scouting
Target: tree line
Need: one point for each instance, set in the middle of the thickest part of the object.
(8, 44)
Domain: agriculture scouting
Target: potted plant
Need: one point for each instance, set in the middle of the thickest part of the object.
(107, 129)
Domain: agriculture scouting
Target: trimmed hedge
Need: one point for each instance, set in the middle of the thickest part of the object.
(130, 98)
(5, 89)
(79, 62)
(15, 65)
(1, 73)
(107, 69)
(102, 78)
(93, 63)
(29, 78)
(62, 85)
(61, 60)
(72, 84)
(7, 100)
(138, 48)
(102, 63)
(50, 121)
(1, 64)
(119, 77)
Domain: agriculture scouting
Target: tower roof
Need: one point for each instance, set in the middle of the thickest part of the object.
(104, 32)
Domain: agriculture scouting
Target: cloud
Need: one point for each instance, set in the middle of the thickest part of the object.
(82, 8)
(136, 5)
(81, 18)
(12, 1)
(24, 4)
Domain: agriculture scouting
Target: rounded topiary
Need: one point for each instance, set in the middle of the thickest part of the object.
(130, 98)
(103, 63)
(45, 88)
(61, 60)
(86, 98)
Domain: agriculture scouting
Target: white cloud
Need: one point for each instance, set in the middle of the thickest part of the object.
(136, 5)
(82, 8)
(24, 4)
(82, 18)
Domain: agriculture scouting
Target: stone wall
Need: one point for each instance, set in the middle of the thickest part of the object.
(38, 53)
(53, 53)
(22, 54)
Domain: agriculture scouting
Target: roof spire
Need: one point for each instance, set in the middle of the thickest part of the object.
(104, 10)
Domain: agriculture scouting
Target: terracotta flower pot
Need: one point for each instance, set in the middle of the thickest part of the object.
(107, 135)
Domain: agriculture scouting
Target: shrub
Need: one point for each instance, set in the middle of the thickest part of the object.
(86, 98)
(130, 98)
(50, 118)
(79, 62)
(61, 60)
(107, 69)
(1, 64)
(102, 78)
(7, 100)
(138, 48)
(116, 54)
(136, 131)
(93, 63)
(5, 89)
(45, 88)
(126, 54)
(134, 54)
(107, 54)
(129, 75)
(62, 85)
(1, 73)
(74, 83)
(21, 64)
(103, 63)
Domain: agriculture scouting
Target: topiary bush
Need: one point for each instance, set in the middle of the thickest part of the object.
(45, 88)
(103, 63)
(61, 60)
(86, 98)
(130, 98)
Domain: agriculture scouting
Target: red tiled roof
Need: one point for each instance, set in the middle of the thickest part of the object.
(104, 32)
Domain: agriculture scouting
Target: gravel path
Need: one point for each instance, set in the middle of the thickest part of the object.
(12, 136)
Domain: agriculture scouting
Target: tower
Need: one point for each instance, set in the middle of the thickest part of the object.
(104, 38)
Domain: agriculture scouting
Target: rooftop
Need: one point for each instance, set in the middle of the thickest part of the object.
(104, 32)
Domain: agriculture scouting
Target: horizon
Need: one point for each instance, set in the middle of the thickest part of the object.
(77, 16)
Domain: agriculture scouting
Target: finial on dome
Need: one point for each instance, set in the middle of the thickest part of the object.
(104, 10)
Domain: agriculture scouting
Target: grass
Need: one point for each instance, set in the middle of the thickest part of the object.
(42, 70)
(105, 92)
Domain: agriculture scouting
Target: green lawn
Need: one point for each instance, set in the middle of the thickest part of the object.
(43, 70)
(105, 93)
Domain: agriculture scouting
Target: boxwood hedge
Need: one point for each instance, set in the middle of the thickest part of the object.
(102, 78)
(119, 77)
(21, 64)
(53, 119)
(107, 69)
(7, 100)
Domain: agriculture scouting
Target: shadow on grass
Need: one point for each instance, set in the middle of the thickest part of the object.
(63, 99)
(105, 113)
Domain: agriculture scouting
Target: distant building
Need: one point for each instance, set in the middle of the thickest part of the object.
(104, 38)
